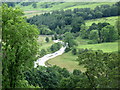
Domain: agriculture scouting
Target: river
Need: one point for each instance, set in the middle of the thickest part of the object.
(41, 61)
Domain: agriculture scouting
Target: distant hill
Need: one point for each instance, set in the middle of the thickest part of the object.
(33, 8)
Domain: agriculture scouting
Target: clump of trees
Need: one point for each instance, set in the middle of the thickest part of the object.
(43, 52)
(47, 39)
(46, 77)
(102, 68)
(101, 32)
(55, 47)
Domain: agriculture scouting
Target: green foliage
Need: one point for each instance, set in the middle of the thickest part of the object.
(76, 72)
(47, 39)
(118, 27)
(34, 5)
(68, 38)
(94, 35)
(75, 81)
(19, 46)
(71, 20)
(83, 32)
(44, 30)
(55, 37)
(55, 47)
(102, 68)
(46, 77)
(74, 51)
(109, 34)
(42, 52)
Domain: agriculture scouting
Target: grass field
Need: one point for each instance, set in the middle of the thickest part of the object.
(66, 60)
(106, 47)
(111, 20)
(58, 6)
(43, 44)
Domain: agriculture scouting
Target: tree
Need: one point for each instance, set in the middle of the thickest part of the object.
(76, 72)
(47, 39)
(10, 4)
(118, 27)
(19, 46)
(44, 30)
(67, 28)
(83, 32)
(94, 36)
(34, 5)
(55, 47)
(42, 52)
(109, 33)
(46, 77)
(58, 30)
(68, 38)
(55, 37)
(74, 51)
(101, 68)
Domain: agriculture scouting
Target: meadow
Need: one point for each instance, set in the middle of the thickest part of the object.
(30, 11)
(112, 20)
(43, 44)
(105, 47)
(66, 60)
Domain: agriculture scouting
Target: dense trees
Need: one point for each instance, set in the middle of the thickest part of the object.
(109, 34)
(34, 5)
(98, 33)
(46, 77)
(68, 38)
(55, 47)
(43, 52)
(102, 68)
(101, 72)
(58, 20)
(19, 46)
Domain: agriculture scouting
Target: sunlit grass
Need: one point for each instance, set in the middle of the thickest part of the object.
(111, 20)
(68, 61)
(105, 47)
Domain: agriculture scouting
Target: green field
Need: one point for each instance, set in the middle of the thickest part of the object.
(30, 11)
(106, 47)
(43, 44)
(111, 20)
(66, 60)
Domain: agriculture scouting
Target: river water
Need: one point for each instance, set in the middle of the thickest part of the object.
(41, 61)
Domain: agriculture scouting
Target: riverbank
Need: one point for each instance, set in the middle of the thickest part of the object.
(41, 61)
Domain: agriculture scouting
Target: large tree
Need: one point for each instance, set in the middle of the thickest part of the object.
(19, 46)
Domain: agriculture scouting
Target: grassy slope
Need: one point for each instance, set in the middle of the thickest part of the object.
(43, 44)
(106, 47)
(59, 6)
(67, 60)
(111, 20)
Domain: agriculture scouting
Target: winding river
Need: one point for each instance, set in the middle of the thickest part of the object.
(41, 61)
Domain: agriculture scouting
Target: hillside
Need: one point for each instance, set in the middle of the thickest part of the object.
(112, 20)
(42, 7)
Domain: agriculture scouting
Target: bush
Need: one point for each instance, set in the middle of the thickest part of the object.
(74, 51)
(67, 49)
(55, 47)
